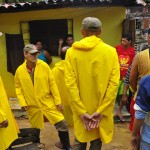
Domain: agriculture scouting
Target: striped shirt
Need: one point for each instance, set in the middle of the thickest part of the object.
(127, 78)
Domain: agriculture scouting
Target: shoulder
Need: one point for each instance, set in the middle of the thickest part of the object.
(64, 48)
(145, 83)
(46, 52)
(41, 63)
(119, 49)
(145, 80)
(132, 48)
(21, 66)
(108, 49)
(143, 54)
(118, 46)
(108, 46)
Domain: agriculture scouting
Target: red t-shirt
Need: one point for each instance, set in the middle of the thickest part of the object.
(125, 57)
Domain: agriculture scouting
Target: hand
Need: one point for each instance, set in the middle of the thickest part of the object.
(96, 118)
(124, 99)
(60, 108)
(65, 48)
(61, 41)
(25, 108)
(4, 124)
(122, 77)
(135, 142)
(86, 119)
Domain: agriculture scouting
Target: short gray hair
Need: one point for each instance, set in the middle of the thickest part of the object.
(91, 24)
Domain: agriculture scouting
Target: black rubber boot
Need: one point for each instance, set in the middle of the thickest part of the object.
(37, 134)
(64, 138)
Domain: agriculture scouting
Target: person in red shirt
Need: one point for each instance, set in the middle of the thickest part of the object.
(126, 54)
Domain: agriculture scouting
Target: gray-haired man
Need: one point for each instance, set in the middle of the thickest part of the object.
(92, 77)
(38, 94)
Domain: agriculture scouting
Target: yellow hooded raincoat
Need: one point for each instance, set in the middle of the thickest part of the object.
(59, 71)
(10, 133)
(92, 76)
(42, 97)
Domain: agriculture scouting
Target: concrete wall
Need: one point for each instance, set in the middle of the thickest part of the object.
(111, 18)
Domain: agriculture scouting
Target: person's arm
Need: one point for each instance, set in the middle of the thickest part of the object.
(134, 135)
(140, 116)
(141, 108)
(134, 74)
(2, 114)
(19, 92)
(3, 119)
(124, 97)
(53, 88)
(137, 126)
(71, 82)
(60, 46)
(107, 104)
(127, 78)
(48, 56)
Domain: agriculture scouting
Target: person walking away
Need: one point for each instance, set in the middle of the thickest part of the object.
(92, 77)
(59, 75)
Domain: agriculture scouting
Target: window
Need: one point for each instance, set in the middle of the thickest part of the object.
(48, 31)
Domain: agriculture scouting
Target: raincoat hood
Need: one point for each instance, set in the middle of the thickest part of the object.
(60, 65)
(92, 78)
(87, 43)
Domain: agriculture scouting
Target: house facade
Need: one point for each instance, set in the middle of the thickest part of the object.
(15, 21)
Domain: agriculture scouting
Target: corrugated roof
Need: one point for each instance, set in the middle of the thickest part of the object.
(51, 4)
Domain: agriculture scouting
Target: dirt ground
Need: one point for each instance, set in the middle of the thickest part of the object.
(121, 139)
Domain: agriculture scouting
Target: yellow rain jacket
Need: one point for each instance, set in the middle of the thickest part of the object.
(58, 72)
(10, 133)
(92, 76)
(42, 97)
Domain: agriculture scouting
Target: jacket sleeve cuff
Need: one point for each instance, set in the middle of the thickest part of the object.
(2, 116)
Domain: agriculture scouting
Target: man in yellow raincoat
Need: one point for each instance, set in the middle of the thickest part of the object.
(8, 127)
(59, 72)
(92, 78)
(38, 94)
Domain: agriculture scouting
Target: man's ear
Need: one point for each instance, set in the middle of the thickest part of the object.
(99, 32)
(130, 42)
(83, 32)
(25, 54)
